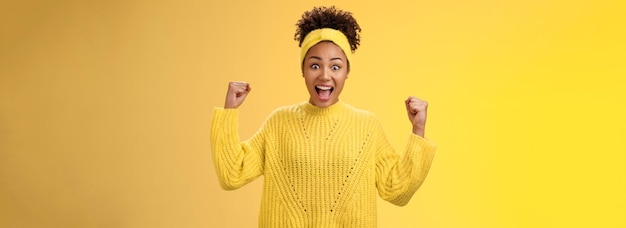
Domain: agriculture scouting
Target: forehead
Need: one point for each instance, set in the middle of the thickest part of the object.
(326, 49)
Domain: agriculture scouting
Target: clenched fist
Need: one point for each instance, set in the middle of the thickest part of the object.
(416, 110)
(236, 94)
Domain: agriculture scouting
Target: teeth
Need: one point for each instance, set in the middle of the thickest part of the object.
(324, 87)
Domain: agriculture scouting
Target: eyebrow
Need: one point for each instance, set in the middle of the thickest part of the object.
(332, 59)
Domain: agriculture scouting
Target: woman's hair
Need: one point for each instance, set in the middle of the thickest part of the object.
(329, 17)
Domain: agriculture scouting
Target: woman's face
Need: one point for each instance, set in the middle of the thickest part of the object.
(325, 70)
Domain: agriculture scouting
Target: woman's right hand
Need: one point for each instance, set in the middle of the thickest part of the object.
(236, 94)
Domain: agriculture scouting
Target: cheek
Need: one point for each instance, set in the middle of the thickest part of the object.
(342, 79)
(307, 75)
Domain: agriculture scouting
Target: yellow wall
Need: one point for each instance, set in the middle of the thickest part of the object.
(105, 107)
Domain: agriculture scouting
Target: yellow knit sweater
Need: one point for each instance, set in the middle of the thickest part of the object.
(322, 166)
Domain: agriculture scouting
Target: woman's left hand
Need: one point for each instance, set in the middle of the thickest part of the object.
(416, 110)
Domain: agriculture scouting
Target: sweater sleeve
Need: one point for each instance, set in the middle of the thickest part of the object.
(236, 163)
(397, 178)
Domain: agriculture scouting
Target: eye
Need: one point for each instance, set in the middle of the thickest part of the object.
(315, 66)
(335, 67)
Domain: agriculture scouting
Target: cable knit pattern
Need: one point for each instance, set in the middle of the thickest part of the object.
(322, 166)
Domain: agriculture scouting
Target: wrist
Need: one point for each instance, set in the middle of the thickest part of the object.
(418, 130)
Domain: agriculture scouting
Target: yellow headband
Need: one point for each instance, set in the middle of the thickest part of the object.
(325, 34)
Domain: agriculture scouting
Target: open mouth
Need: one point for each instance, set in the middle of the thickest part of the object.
(323, 92)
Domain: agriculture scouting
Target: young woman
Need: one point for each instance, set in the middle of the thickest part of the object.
(324, 161)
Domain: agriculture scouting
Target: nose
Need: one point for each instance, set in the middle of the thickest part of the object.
(326, 75)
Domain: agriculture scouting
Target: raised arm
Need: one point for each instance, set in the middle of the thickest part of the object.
(397, 178)
(236, 163)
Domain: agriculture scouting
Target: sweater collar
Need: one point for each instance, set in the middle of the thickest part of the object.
(330, 110)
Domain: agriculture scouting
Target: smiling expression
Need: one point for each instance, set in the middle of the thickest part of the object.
(325, 69)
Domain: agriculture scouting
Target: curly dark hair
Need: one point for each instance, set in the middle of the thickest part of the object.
(329, 17)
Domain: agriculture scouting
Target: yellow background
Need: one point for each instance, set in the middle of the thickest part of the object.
(105, 107)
